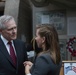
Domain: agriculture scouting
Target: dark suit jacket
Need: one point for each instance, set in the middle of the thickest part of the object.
(44, 66)
(6, 65)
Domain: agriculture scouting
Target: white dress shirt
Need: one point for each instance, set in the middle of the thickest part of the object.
(28, 74)
(7, 45)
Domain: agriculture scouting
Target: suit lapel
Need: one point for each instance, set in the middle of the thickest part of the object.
(16, 44)
(4, 51)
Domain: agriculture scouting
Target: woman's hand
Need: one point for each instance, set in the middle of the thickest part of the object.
(28, 63)
(28, 66)
(27, 69)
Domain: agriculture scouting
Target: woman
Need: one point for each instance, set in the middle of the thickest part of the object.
(48, 60)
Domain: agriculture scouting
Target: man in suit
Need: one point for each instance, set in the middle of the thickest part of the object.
(8, 31)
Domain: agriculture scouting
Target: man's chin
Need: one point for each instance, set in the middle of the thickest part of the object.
(14, 38)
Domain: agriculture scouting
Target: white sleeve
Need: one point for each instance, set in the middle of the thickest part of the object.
(28, 74)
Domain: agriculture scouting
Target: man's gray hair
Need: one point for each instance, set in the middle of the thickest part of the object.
(3, 20)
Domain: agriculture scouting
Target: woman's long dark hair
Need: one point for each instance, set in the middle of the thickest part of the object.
(51, 41)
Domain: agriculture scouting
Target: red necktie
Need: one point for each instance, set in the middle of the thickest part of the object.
(12, 53)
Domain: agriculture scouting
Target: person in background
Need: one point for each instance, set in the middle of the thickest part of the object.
(32, 50)
(48, 60)
(12, 51)
(32, 46)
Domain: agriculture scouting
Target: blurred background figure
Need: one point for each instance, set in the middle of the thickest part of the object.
(33, 50)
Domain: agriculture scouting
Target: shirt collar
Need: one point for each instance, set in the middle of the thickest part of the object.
(4, 40)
